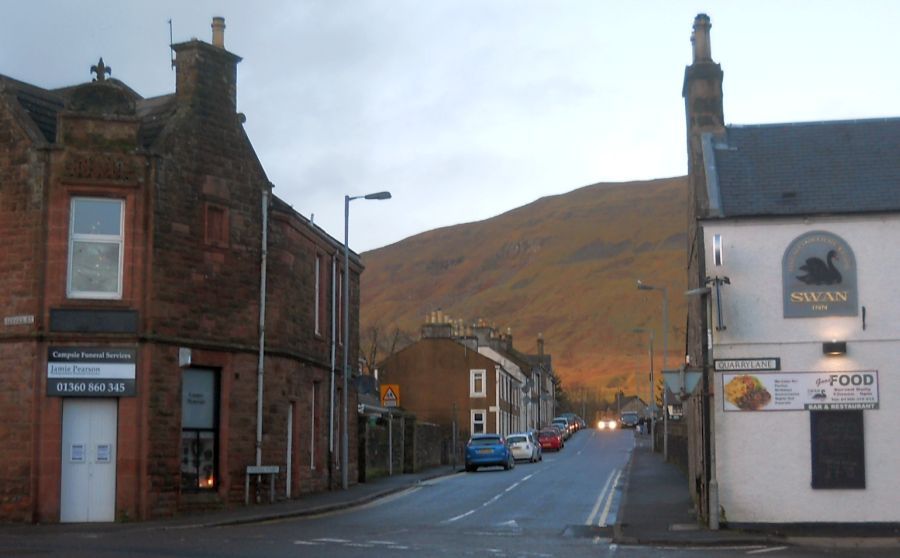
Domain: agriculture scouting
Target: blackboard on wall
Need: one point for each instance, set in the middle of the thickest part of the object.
(838, 449)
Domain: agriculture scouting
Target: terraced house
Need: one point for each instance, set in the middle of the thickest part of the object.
(166, 319)
(472, 377)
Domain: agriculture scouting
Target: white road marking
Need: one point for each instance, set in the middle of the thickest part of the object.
(308, 543)
(342, 541)
(590, 519)
(491, 501)
(381, 542)
(460, 516)
(764, 550)
(609, 499)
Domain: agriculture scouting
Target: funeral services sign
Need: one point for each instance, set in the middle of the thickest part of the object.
(91, 371)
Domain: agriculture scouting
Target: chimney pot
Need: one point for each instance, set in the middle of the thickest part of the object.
(218, 32)
(700, 39)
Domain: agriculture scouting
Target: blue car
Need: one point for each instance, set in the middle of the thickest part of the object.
(484, 450)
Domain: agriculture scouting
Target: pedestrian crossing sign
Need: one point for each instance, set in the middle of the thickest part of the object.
(390, 395)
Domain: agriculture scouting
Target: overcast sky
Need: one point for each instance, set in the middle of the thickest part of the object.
(465, 109)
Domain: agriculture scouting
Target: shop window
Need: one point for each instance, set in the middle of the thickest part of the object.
(96, 243)
(478, 420)
(477, 383)
(199, 430)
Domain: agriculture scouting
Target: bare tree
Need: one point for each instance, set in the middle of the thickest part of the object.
(377, 346)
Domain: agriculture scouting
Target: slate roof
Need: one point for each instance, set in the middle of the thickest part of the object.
(838, 167)
(43, 106)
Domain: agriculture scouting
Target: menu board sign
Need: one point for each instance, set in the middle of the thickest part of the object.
(838, 449)
(800, 391)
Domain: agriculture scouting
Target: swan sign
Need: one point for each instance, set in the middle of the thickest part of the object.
(819, 277)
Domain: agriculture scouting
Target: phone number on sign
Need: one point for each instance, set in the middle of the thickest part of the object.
(90, 387)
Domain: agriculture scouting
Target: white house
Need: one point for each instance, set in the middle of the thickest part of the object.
(795, 236)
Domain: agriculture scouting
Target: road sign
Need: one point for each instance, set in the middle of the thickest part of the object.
(390, 395)
(681, 381)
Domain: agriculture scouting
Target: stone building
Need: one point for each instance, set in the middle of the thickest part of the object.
(794, 316)
(143, 252)
(474, 379)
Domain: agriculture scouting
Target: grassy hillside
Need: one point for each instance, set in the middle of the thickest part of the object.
(565, 266)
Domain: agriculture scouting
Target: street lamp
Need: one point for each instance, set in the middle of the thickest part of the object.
(665, 296)
(652, 399)
(345, 434)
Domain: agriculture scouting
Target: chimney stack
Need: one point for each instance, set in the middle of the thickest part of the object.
(206, 74)
(218, 32)
(700, 39)
(540, 344)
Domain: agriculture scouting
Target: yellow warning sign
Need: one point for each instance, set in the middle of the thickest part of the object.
(390, 395)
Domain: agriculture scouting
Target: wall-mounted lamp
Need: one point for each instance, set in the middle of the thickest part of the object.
(834, 348)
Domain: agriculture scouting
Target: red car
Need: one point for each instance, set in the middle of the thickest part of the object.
(550, 440)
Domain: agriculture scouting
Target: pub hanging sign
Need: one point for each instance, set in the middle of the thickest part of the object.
(818, 274)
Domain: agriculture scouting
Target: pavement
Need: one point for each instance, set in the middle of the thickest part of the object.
(657, 509)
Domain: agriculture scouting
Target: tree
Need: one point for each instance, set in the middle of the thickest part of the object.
(377, 346)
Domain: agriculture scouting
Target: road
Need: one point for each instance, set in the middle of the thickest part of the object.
(561, 507)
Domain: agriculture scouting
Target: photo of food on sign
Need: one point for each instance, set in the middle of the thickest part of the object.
(747, 393)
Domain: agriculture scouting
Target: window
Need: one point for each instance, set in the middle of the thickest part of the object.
(313, 431)
(340, 308)
(321, 294)
(478, 418)
(199, 432)
(477, 383)
(95, 248)
(216, 225)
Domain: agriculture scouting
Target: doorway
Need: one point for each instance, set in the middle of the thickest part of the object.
(88, 483)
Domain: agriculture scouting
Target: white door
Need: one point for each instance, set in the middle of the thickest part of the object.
(88, 491)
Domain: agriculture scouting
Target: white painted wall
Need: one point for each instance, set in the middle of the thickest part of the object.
(511, 368)
(764, 458)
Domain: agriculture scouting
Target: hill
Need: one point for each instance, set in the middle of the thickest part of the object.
(565, 266)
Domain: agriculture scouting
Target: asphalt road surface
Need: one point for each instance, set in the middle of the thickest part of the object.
(561, 507)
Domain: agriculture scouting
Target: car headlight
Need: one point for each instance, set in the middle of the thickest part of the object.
(612, 425)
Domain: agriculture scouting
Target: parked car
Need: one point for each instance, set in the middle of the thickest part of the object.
(564, 424)
(560, 430)
(523, 446)
(629, 420)
(485, 450)
(537, 444)
(575, 421)
(550, 439)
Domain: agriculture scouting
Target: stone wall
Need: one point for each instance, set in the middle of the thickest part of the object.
(415, 446)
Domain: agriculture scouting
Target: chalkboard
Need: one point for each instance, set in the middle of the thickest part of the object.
(838, 449)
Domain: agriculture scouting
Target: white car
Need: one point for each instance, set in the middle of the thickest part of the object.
(523, 446)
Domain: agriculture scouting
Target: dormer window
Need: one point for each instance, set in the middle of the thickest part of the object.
(96, 244)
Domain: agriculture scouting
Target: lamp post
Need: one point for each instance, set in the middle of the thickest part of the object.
(345, 299)
(652, 402)
(665, 296)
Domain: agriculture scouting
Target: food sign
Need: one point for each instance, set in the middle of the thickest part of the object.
(800, 391)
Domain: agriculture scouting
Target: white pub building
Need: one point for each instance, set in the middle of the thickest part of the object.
(794, 276)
